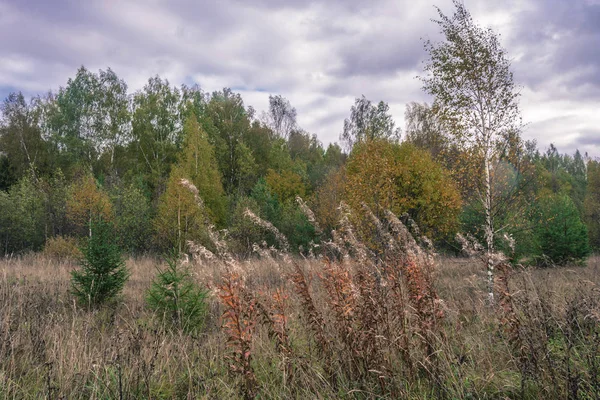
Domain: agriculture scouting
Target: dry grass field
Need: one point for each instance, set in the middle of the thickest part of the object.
(280, 327)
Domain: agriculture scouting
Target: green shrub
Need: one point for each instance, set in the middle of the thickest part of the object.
(296, 226)
(176, 298)
(243, 233)
(560, 233)
(103, 272)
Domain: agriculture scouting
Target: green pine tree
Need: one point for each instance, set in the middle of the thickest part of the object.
(176, 298)
(561, 234)
(103, 272)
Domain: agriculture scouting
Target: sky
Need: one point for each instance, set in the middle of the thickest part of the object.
(320, 55)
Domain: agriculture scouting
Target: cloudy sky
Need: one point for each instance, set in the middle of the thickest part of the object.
(318, 54)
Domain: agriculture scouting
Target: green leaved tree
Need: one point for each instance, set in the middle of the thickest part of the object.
(367, 122)
(133, 219)
(475, 98)
(22, 217)
(181, 216)
(88, 117)
(156, 131)
(561, 234)
(403, 179)
(592, 203)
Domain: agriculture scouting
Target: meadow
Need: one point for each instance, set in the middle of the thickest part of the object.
(412, 325)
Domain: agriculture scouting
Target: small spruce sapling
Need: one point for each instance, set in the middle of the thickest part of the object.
(175, 296)
(103, 272)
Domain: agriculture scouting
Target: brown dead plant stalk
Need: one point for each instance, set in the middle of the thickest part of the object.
(239, 321)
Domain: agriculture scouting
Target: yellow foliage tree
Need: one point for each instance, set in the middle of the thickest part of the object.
(328, 197)
(286, 185)
(180, 216)
(86, 202)
(403, 179)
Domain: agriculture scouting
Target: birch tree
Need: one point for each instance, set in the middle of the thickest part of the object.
(469, 76)
(89, 116)
(282, 116)
(368, 122)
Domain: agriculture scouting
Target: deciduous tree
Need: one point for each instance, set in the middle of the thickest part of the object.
(592, 203)
(327, 199)
(157, 130)
(424, 129)
(87, 202)
(22, 145)
(475, 97)
(228, 124)
(132, 219)
(22, 217)
(367, 122)
(402, 178)
(180, 216)
(89, 116)
(286, 185)
(197, 162)
(281, 117)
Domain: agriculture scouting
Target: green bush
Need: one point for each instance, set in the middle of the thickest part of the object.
(560, 233)
(296, 227)
(176, 298)
(243, 233)
(103, 272)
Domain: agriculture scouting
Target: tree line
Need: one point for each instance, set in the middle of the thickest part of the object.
(94, 150)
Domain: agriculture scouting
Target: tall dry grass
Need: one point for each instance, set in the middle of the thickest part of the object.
(404, 324)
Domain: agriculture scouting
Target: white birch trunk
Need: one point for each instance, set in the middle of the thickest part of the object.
(489, 225)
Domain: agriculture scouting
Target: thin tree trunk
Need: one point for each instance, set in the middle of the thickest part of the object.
(179, 222)
(31, 164)
(489, 227)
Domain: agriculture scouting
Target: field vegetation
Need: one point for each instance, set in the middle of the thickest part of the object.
(285, 327)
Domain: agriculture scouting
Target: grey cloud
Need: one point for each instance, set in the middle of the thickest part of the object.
(566, 133)
(57, 11)
(560, 38)
(545, 128)
(589, 137)
(319, 102)
(333, 119)
(321, 54)
(349, 5)
(377, 55)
